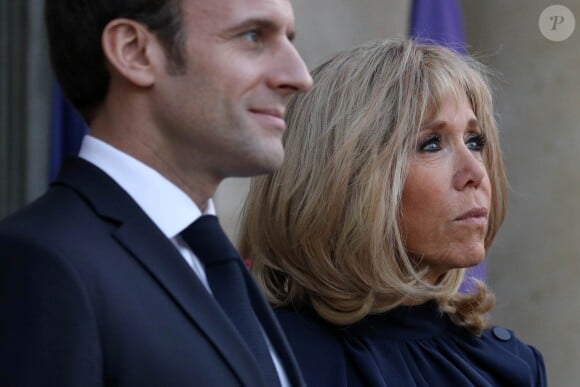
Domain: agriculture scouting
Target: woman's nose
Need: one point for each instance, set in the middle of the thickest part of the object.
(469, 169)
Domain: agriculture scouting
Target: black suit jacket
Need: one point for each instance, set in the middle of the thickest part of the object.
(93, 294)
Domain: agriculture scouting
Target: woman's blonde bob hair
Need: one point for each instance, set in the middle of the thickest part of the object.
(323, 230)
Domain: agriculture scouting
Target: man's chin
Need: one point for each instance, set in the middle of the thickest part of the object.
(259, 166)
(272, 159)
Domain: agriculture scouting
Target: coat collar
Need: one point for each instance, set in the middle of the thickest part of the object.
(145, 242)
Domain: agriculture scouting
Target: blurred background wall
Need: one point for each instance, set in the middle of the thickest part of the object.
(534, 265)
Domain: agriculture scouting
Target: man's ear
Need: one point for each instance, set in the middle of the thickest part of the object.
(132, 50)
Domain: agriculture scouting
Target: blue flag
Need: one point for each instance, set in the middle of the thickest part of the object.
(441, 22)
(67, 130)
(438, 22)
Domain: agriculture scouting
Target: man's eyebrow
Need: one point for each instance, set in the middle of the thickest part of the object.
(263, 23)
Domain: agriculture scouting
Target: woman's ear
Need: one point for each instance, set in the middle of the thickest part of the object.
(131, 50)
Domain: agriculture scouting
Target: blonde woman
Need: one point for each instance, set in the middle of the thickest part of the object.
(393, 184)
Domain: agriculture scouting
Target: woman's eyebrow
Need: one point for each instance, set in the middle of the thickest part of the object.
(440, 124)
(434, 125)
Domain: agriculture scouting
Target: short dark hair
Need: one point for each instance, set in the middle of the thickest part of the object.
(74, 30)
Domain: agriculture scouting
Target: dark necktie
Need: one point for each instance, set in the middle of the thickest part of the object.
(223, 268)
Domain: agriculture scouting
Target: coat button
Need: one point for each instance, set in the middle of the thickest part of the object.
(501, 333)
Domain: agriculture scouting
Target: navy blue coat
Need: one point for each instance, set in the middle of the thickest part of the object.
(408, 346)
(93, 294)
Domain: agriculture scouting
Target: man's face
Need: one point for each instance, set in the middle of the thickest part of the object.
(223, 114)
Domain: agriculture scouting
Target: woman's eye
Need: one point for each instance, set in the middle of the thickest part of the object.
(476, 143)
(431, 144)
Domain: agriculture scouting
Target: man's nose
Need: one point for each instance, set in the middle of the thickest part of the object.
(290, 71)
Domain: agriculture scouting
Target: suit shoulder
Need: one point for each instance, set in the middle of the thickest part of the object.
(59, 205)
(59, 230)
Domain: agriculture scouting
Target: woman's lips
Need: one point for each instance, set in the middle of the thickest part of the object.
(475, 215)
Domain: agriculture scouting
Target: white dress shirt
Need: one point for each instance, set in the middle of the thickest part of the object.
(164, 203)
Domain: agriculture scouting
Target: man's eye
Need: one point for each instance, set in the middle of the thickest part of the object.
(431, 144)
(252, 36)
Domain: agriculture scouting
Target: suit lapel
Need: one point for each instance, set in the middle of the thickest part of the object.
(274, 331)
(145, 242)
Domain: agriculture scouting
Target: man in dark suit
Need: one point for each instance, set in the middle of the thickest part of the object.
(101, 284)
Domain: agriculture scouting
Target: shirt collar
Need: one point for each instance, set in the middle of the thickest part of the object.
(166, 204)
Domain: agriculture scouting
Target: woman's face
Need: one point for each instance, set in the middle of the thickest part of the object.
(447, 194)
